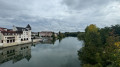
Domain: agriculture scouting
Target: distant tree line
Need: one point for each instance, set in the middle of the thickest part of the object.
(101, 46)
(60, 35)
(72, 34)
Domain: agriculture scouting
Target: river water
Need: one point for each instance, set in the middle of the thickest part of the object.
(60, 54)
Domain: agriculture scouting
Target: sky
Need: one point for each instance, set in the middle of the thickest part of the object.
(59, 15)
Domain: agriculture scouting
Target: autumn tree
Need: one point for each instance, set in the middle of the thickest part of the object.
(90, 54)
(92, 35)
(102, 47)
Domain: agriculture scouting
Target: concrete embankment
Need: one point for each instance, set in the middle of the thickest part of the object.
(20, 43)
(36, 40)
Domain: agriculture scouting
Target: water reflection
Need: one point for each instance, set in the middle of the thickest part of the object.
(44, 54)
(15, 53)
(60, 40)
(49, 41)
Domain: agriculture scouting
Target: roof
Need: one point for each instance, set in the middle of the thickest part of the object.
(2, 29)
(21, 29)
(8, 30)
(34, 32)
(28, 26)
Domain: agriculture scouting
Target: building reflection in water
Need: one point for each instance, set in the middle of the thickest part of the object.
(15, 53)
(48, 41)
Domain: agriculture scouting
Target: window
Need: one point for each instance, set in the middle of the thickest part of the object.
(27, 47)
(10, 41)
(1, 41)
(10, 51)
(21, 48)
(1, 53)
(7, 41)
(10, 37)
(7, 52)
(5, 33)
(21, 39)
(13, 50)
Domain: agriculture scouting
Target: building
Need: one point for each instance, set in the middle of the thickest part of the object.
(7, 36)
(26, 32)
(35, 35)
(17, 35)
(46, 34)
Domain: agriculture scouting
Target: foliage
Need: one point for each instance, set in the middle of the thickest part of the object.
(92, 36)
(81, 36)
(53, 38)
(116, 29)
(117, 44)
(60, 35)
(72, 34)
(101, 47)
(53, 35)
(104, 32)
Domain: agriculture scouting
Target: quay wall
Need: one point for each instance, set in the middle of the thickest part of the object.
(19, 43)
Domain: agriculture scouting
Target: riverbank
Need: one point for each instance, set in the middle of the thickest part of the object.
(23, 42)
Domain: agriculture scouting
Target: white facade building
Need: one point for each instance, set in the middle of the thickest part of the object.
(18, 35)
(26, 32)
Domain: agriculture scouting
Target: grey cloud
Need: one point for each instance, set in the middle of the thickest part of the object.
(87, 4)
(38, 13)
(99, 12)
(59, 15)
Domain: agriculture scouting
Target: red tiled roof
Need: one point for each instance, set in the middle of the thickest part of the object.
(2, 29)
(6, 31)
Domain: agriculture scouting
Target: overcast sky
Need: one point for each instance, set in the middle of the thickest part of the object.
(59, 15)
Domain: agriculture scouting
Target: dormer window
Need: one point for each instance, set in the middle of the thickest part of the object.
(8, 33)
(5, 33)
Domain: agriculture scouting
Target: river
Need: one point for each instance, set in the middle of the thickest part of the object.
(59, 54)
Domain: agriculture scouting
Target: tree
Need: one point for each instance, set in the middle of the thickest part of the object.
(104, 33)
(54, 38)
(81, 36)
(92, 36)
(61, 35)
(90, 53)
(102, 47)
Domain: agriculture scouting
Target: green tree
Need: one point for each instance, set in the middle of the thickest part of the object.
(81, 36)
(91, 54)
(92, 36)
(61, 35)
(102, 47)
